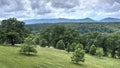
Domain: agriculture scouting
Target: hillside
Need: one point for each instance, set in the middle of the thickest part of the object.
(50, 58)
(81, 27)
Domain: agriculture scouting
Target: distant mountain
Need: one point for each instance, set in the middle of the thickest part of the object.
(57, 20)
(110, 20)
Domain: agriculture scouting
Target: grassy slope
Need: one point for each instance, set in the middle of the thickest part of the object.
(50, 58)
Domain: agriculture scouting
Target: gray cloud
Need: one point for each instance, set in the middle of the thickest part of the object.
(11, 5)
(59, 8)
(3, 3)
(40, 6)
(65, 3)
(109, 5)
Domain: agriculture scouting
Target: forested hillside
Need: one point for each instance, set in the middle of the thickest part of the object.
(81, 27)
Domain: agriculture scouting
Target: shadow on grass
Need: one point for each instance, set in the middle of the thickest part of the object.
(8, 45)
(28, 55)
(79, 64)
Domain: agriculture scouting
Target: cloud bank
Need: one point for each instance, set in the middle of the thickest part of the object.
(75, 9)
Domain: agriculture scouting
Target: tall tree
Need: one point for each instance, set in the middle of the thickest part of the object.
(14, 31)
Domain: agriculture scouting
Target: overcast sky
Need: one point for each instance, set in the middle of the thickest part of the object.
(73, 9)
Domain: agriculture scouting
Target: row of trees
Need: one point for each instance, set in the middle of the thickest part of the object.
(59, 37)
(81, 27)
(110, 43)
(65, 38)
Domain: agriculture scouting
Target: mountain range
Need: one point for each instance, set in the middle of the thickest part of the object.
(110, 20)
(57, 20)
(62, 20)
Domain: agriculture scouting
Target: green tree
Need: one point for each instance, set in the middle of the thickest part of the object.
(58, 34)
(78, 54)
(118, 52)
(43, 43)
(103, 41)
(92, 50)
(79, 46)
(47, 34)
(73, 45)
(28, 47)
(99, 52)
(60, 45)
(114, 44)
(13, 30)
(69, 47)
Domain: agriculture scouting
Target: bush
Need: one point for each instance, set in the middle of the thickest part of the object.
(60, 45)
(43, 43)
(99, 52)
(78, 54)
(27, 49)
(28, 46)
(29, 41)
(118, 52)
(79, 46)
(92, 50)
(73, 45)
(69, 47)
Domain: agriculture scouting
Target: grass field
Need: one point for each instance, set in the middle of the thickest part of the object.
(50, 58)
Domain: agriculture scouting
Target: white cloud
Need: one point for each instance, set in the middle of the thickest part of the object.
(24, 9)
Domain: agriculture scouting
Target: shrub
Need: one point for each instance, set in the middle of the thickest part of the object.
(43, 43)
(27, 49)
(92, 50)
(69, 47)
(118, 52)
(79, 46)
(28, 46)
(99, 52)
(73, 45)
(60, 45)
(78, 54)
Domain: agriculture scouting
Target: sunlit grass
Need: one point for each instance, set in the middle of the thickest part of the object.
(50, 58)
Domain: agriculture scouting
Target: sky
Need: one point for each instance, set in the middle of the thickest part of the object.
(71, 9)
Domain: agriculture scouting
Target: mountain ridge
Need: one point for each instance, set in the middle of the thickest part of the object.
(109, 19)
(57, 20)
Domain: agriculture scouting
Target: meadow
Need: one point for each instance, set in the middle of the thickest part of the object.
(50, 58)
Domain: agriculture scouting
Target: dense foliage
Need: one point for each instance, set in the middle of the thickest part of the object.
(78, 54)
(43, 43)
(99, 52)
(12, 31)
(28, 47)
(92, 50)
(60, 45)
(109, 42)
(81, 27)
(59, 32)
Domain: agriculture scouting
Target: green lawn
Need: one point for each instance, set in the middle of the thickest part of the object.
(50, 58)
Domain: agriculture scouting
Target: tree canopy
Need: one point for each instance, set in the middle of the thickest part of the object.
(13, 31)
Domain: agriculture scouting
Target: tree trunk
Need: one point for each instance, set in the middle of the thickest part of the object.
(12, 42)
